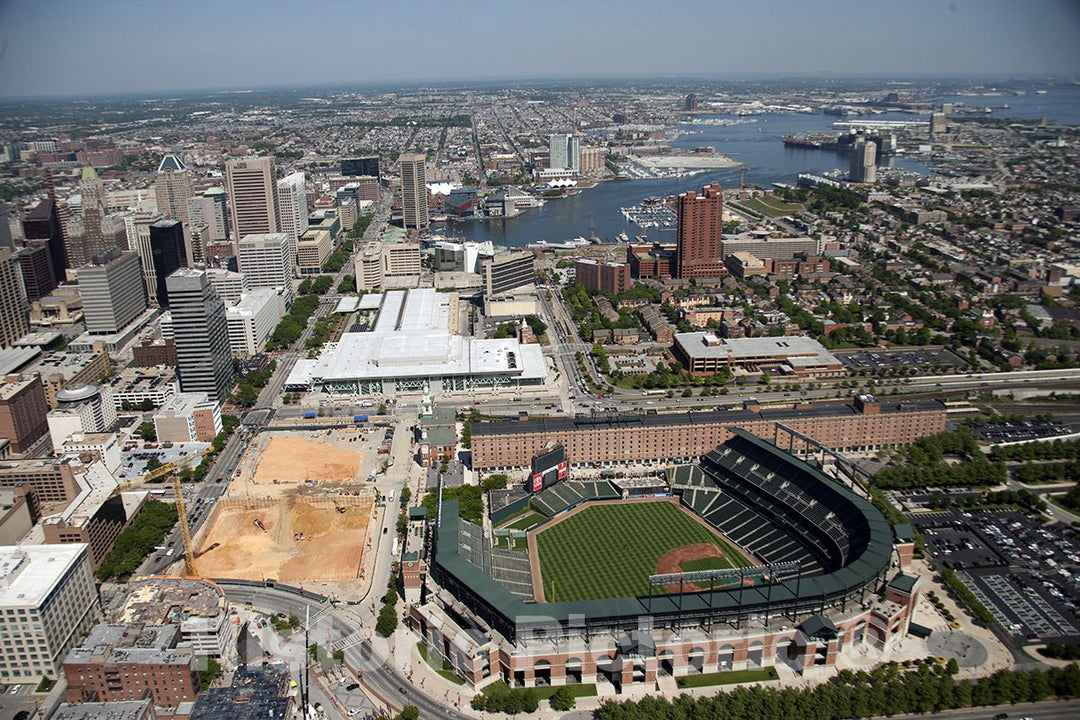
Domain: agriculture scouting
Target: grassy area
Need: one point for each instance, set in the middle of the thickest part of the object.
(544, 692)
(438, 664)
(610, 550)
(771, 207)
(726, 678)
(710, 563)
(524, 521)
(47, 684)
(508, 544)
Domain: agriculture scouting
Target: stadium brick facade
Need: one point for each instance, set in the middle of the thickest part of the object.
(636, 438)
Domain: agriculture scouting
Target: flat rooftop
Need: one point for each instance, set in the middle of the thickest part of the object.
(116, 710)
(710, 345)
(646, 420)
(29, 573)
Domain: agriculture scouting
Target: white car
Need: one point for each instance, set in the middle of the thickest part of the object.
(352, 712)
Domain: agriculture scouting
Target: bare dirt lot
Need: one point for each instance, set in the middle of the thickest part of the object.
(295, 459)
(293, 484)
(305, 538)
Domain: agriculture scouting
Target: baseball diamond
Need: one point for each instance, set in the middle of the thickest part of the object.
(610, 549)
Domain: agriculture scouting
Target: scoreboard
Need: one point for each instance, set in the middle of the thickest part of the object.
(548, 468)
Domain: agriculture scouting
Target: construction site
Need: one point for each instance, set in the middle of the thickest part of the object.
(298, 509)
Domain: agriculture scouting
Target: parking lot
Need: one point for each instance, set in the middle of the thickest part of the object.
(1022, 570)
(920, 359)
(1005, 432)
(133, 461)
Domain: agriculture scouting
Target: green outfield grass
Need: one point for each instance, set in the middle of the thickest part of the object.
(611, 549)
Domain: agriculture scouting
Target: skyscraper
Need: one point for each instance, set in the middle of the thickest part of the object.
(414, 199)
(691, 103)
(355, 167)
(168, 254)
(113, 292)
(96, 232)
(173, 188)
(43, 223)
(293, 209)
(564, 152)
(36, 265)
(14, 311)
(208, 210)
(250, 184)
(862, 160)
(266, 263)
(203, 357)
(700, 235)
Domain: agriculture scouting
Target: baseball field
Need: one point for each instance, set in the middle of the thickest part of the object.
(610, 549)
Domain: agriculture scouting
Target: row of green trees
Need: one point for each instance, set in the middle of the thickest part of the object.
(145, 532)
(1035, 473)
(925, 464)
(361, 225)
(229, 423)
(317, 286)
(1050, 450)
(290, 327)
(979, 611)
(858, 695)
(512, 701)
(1024, 499)
(387, 621)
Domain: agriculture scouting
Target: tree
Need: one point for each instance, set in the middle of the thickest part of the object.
(387, 622)
(245, 396)
(562, 699)
(152, 464)
(147, 431)
(409, 712)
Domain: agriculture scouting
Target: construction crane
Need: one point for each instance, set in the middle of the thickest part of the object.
(185, 532)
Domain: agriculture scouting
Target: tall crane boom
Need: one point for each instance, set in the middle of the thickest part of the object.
(185, 532)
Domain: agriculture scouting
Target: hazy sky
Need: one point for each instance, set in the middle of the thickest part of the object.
(76, 47)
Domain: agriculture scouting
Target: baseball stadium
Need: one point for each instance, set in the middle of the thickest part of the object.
(747, 558)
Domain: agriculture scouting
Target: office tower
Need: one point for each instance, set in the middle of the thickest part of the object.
(266, 262)
(138, 236)
(252, 321)
(14, 309)
(173, 188)
(229, 285)
(22, 411)
(113, 292)
(691, 103)
(293, 209)
(169, 255)
(95, 232)
(564, 152)
(209, 209)
(203, 358)
(355, 167)
(250, 184)
(47, 604)
(508, 271)
(43, 223)
(610, 278)
(414, 199)
(863, 161)
(6, 239)
(700, 235)
(35, 266)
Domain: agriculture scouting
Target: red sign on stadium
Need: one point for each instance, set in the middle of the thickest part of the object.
(538, 482)
(562, 469)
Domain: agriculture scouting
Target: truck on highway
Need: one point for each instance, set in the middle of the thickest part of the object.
(359, 418)
(309, 415)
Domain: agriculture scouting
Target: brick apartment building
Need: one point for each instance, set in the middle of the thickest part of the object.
(125, 662)
(610, 278)
(22, 411)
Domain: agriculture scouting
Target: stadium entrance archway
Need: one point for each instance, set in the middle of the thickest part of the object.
(725, 658)
(573, 671)
(667, 663)
(859, 636)
(785, 651)
(755, 655)
(542, 673)
(605, 668)
(695, 661)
